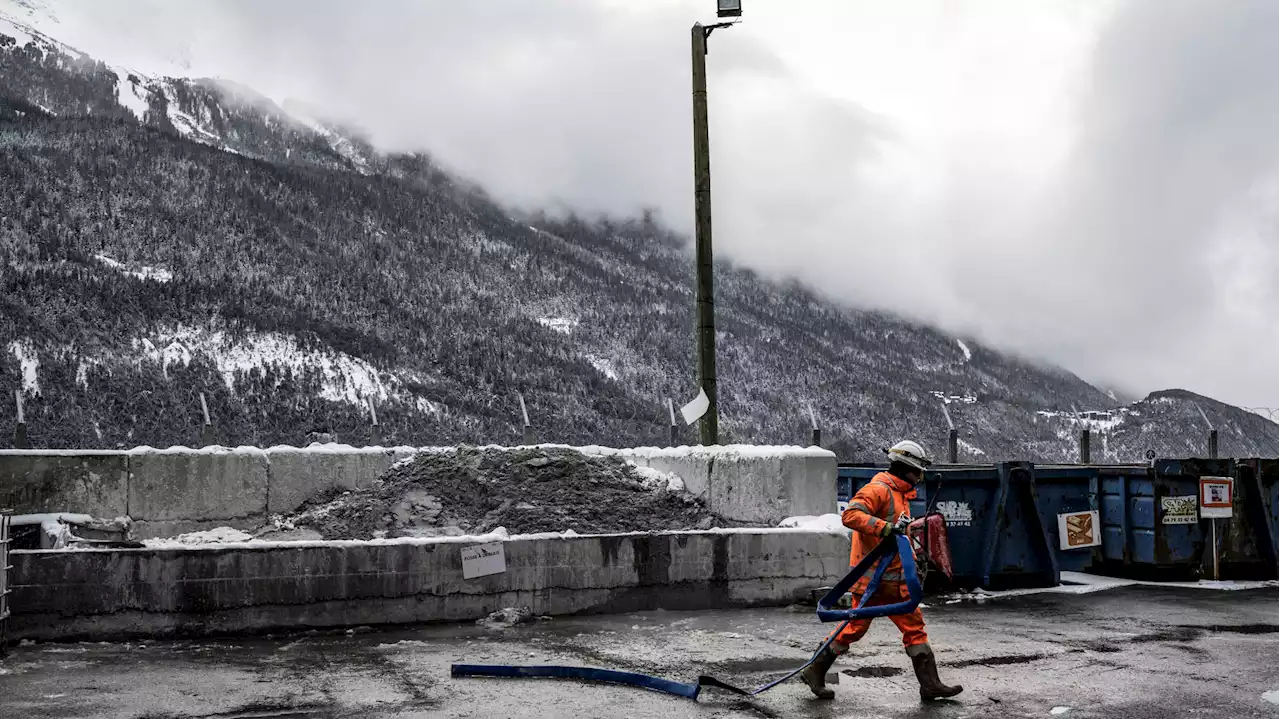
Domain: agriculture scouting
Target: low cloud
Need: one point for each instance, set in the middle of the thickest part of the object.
(1111, 207)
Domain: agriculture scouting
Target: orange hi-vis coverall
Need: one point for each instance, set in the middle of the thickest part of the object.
(875, 505)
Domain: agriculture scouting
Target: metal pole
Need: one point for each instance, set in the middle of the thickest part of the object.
(1213, 533)
(1084, 446)
(1213, 444)
(953, 437)
(706, 317)
(671, 436)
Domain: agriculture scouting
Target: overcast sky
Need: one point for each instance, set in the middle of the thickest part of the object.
(1094, 183)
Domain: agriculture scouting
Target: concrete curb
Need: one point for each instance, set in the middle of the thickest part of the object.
(116, 594)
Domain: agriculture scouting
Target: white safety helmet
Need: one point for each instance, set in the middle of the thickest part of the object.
(909, 453)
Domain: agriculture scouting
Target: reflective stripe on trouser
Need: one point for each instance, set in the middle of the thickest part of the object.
(911, 625)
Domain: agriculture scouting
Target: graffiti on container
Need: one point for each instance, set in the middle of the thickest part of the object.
(1078, 529)
(958, 514)
(1179, 510)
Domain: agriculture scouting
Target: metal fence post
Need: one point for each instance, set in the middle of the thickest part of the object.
(528, 438)
(20, 429)
(207, 438)
(817, 431)
(375, 437)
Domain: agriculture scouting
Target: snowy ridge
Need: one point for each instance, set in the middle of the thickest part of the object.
(340, 144)
(603, 366)
(345, 378)
(142, 272)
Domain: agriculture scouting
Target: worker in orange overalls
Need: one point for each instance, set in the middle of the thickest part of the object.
(873, 514)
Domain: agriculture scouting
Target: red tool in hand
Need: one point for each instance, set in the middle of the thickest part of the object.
(928, 536)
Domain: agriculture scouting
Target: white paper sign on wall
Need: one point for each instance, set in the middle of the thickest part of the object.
(1077, 530)
(1215, 497)
(479, 560)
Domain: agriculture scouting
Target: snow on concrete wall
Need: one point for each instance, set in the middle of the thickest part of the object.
(179, 489)
(102, 594)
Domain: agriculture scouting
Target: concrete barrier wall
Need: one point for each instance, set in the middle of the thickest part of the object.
(177, 490)
(87, 482)
(112, 594)
(748, 483)
(300, 474)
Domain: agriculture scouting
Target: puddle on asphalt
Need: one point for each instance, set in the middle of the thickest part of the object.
(1003, 660)
(873, 672)
(1234, 628)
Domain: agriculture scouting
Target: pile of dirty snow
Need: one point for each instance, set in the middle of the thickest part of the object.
(470, 490)
(217, 535)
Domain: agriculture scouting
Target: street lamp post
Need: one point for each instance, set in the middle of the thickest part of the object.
(706, 313)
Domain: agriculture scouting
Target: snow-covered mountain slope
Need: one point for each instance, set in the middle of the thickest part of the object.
(162, 237)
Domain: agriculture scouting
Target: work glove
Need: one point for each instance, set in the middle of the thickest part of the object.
(890, 529)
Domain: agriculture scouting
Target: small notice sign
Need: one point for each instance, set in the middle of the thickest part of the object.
(1179, 510)
(479, 560)
(957, 514)
(1215, 497)
(1077, 530)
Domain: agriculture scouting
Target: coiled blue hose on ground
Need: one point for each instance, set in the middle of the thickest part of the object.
(881, 556)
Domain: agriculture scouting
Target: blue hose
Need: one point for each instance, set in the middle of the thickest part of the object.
(882, 556)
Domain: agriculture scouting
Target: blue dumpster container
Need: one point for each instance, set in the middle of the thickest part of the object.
(1063, 489)
(1249, 541)
(998, 536)
(1178, 544)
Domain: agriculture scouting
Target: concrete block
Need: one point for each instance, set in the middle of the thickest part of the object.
(748, 483)
(197, 488)
(298, 475)
(84, 482)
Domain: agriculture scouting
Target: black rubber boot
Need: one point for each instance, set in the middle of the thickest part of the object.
(815, 675)
(931, 687)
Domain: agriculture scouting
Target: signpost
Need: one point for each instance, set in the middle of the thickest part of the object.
(1216, 495)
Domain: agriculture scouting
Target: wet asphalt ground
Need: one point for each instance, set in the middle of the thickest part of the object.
(1132, 652)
